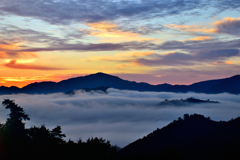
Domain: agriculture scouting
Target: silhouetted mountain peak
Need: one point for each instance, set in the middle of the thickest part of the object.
(102, 76)
(236, 76)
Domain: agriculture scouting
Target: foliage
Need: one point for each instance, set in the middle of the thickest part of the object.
(15, 140)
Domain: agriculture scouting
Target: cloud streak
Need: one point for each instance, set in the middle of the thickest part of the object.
(120, 116)
(18, 65)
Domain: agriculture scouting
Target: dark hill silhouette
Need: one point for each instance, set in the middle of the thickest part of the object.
(9, 90)
(41, 87)
(193, 137)
(101, 79)
(184, 102)
(230, 85)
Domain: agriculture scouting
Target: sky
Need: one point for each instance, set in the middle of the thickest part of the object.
(119, 116)
(153, 41)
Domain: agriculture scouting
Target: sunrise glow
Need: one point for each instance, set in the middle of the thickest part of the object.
(134, 38)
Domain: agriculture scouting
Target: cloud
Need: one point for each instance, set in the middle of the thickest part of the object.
(136, 45)
(57, 12)
(8, 50)
(178, 58)
(69, 11)
(192, 28)
(109, 32)
(14, 34)
(120, 57)
(120, 116)
(227, 4)
(22, 65)
(201, 38)
(228, 26)
(123, 46)
(197, 45)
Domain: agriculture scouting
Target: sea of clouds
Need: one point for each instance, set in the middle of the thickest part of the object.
(120, 116)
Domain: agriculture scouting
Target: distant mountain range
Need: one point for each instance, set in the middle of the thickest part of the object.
(192, 137)
(102, 80)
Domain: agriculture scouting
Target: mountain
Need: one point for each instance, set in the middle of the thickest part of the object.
(193, 137)
(230, 85)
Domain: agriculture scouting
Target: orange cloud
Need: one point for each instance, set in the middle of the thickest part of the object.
(107, 30)
(227, 20)
(10, 50)
(10, 46)
(201, 38)
(227, 25)
(16, 64)
(130, 65)
(192, 28)
(112, 33)
(21, 60)
(229, 62)
(122, 56)
(221, 62)
(103, 26)
(133, 54)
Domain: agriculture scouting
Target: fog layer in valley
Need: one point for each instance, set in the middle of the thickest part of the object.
(120, 116)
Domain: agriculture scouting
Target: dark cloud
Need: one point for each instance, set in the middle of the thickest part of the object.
(226, 4)
(15, 34)
(141, 28)
(189, 46)
(91, 47)
(229, 26)
(198, 45)
(178, 58)
(120, 116)
(217, 54)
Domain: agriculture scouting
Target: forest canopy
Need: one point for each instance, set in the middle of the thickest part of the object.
(42, 142)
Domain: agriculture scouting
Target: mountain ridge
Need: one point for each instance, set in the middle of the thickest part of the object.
(229, 85)
(188, 137)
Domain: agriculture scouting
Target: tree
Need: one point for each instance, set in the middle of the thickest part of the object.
(186, 116)
(14, 127)
(14, 123)
(14, 137)
(56, 135)
(43, 136)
